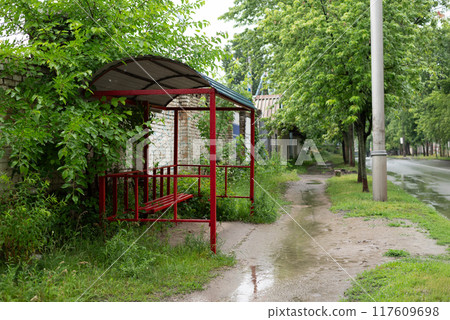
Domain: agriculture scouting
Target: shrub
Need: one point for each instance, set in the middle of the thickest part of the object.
(26, 217)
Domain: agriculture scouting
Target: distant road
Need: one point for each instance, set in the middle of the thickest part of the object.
(428, 180)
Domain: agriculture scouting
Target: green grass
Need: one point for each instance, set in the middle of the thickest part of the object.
(407, 279)
(396, 253)
(346, 196)
(151, 271)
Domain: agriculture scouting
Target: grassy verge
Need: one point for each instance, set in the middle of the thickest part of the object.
(346, 196)
(410, 279)
(151, 270)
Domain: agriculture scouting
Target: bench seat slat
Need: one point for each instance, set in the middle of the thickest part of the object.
(164, 202)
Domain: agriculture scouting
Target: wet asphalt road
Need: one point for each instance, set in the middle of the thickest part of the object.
(428, 180)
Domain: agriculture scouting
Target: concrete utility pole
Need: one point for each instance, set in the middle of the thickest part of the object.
(379, 170)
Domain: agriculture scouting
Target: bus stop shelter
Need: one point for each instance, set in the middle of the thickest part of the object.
(152, 82)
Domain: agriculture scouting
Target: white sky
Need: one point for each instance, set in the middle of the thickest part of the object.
(211, 11)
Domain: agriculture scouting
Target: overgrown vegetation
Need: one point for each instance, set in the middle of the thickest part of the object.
(45, 255)
(151, 269)
(407, 279)
(49, 122)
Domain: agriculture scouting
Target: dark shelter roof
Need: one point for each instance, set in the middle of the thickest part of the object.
(156, 73)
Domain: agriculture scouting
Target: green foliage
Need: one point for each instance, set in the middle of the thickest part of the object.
(27, 216)
(396, 253)
(319, 57)
(433, 114)
(408, 280)
(224, 120)
(46, 121)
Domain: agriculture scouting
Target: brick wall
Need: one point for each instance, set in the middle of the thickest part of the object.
(161, 149)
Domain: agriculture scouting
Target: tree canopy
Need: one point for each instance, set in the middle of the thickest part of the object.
(320, 55)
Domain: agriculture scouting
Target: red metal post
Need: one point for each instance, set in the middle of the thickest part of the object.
(125, 193)
(175, 162)
(226, 180)
(161, 183)
(212, 165)
(168, 181)
(102, 194)
(199, 181)
(114, 200)
(146, 118)
(154, 184)
(252, 160)
(136, 199)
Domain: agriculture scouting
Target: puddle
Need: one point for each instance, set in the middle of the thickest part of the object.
(291, 258)
(256, 279)
(314, 182)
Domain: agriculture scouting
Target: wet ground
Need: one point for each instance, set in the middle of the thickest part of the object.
(309, 254)
(428, 180)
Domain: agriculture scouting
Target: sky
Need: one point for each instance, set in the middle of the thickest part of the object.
(211, 11)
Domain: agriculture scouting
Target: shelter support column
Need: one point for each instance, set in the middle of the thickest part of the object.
(146, 118)
(212, 166)
(175, 162)
(252, 160)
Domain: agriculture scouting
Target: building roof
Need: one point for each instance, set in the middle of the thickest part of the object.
(158, 73)
(268, 104)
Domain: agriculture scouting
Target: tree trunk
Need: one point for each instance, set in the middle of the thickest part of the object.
(344, 149)
(362, 172)
(351, 146)
(359, 162)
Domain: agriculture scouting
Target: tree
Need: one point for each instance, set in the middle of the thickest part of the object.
(320, 54)
(433, 113)
(46, 121)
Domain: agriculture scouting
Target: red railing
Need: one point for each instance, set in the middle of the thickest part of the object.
(163, 179)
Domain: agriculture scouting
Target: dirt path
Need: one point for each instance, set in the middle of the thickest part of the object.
(280, 262)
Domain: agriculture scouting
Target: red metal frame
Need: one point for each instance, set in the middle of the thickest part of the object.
(173, 197)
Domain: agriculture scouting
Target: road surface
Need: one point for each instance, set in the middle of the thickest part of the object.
(428, 180)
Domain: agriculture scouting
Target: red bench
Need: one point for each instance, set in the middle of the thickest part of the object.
(164, 202)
